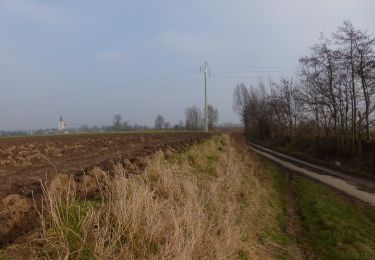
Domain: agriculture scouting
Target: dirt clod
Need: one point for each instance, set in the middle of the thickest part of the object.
(15, 214)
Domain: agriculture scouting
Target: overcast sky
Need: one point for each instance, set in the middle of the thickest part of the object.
(88, 60)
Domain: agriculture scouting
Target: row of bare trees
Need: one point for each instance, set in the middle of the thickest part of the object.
(194, 119)
(160, 123)
(118, 125)
(332, 100)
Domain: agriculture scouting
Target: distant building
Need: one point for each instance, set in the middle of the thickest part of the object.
(61, 124)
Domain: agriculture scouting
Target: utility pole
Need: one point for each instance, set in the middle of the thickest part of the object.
(205, 69)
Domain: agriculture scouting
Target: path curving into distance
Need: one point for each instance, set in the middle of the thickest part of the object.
(355, 187)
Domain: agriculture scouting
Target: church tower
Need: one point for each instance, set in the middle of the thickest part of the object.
(61, 124)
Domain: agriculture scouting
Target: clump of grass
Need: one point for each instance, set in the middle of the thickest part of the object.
(174, 210)
(2, 257)
(64, 220)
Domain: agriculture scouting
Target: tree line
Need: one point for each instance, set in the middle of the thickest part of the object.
(194, 120)
(330, 102)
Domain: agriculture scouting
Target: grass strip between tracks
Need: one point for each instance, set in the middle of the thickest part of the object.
(332, 226)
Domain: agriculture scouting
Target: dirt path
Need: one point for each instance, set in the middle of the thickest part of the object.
(357, 188)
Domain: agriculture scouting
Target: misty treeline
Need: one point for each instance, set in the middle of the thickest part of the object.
(120, 125)
(194, 120)
(329, 105)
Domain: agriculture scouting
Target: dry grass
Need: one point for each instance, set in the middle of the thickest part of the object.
(207, 203)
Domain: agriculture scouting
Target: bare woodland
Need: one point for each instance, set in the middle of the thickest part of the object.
(328, 106)
(195, 118)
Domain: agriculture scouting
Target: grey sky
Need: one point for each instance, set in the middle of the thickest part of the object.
(79, 58)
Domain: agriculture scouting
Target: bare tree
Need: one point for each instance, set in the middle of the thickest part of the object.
(126, 126)
(117, 122)
(181, 124)
(366, 70)
(167, 125)
(159, 122)
(332, 101)
(346, 38)
(241, 100)
(193, 118)
(213, 116)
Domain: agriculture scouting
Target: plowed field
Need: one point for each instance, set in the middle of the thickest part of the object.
(24, 161)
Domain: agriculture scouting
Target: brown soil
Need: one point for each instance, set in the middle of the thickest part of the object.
(26, 162)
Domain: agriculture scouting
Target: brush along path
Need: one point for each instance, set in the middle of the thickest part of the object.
(357, 188)
(77, 156)
(211, 202)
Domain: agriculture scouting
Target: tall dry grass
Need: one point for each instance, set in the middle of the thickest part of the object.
(207, 203)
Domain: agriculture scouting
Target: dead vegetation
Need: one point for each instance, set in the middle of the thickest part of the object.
(211, 202)
(92, 157)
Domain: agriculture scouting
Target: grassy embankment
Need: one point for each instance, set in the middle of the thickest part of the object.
(212, 202)
(332, 227)
(215, 201)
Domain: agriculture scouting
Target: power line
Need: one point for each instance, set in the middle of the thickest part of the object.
(249, 71)
(120, 85)
(252, 71)
(75, 98)
(268, 68)
(149, 87)
(245, 77)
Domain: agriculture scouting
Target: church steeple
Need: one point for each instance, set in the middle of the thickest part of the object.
(61, 124)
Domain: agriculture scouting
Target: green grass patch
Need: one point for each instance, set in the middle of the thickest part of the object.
(335, 228)
(2, 257)
(210, 162)
(72, 224)
(279, 202)
(203, 156)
